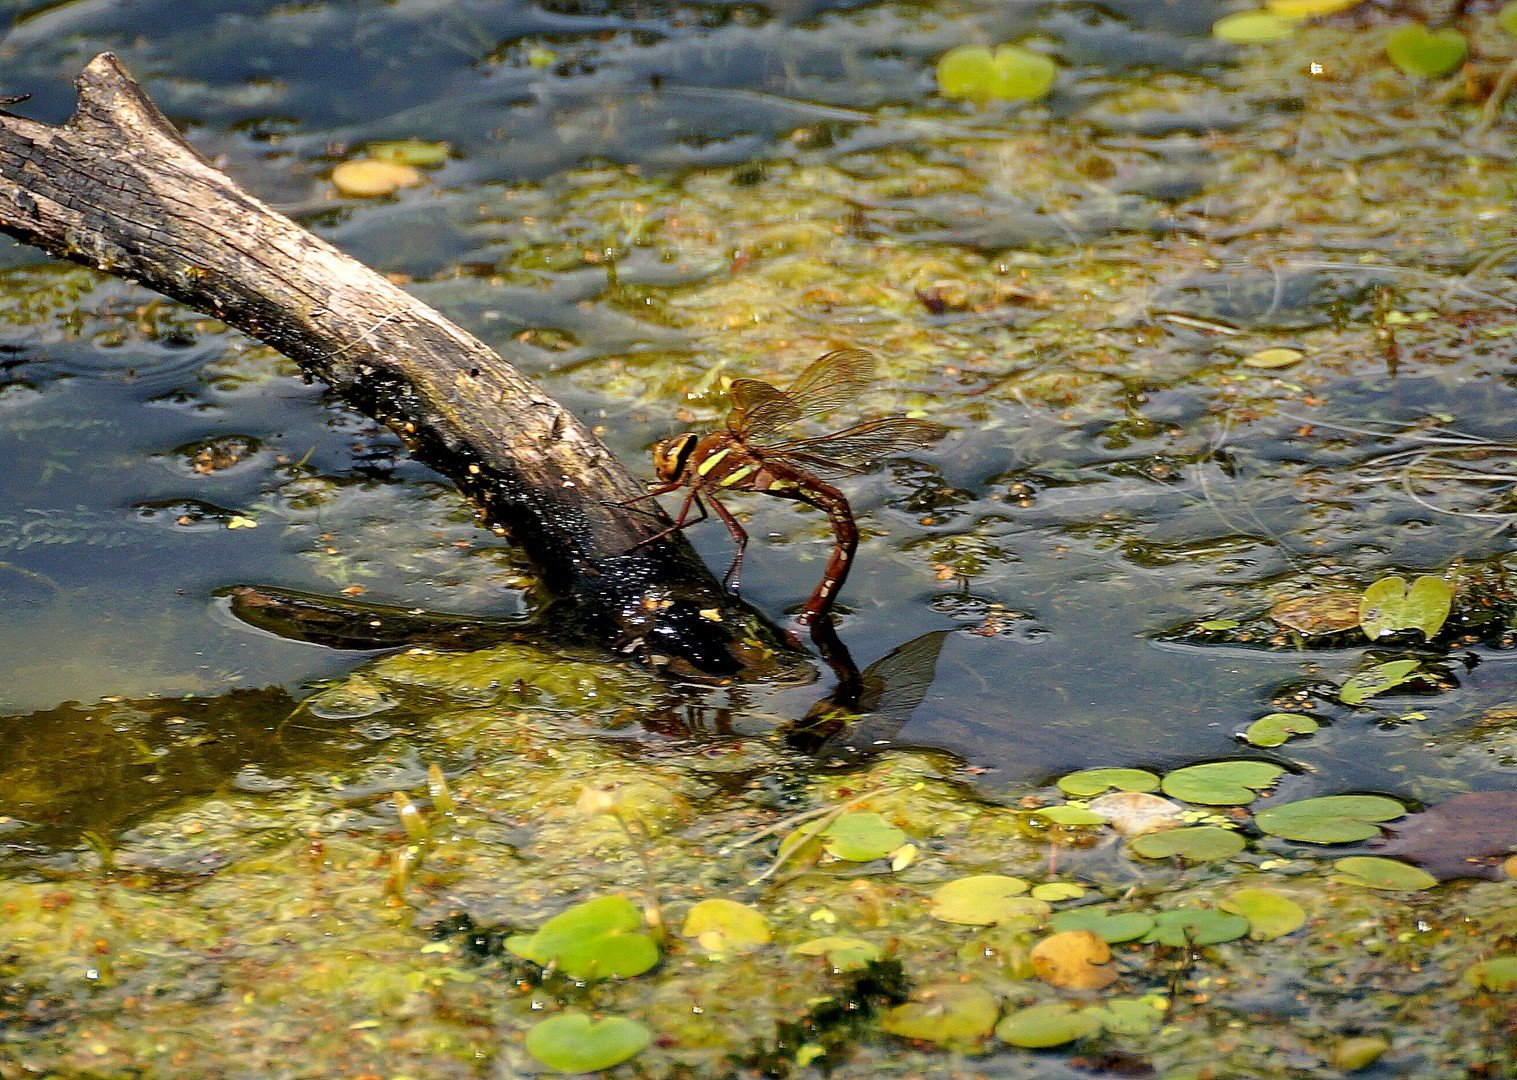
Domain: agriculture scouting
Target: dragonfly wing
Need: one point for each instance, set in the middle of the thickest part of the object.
(854, 449)
(836, 379)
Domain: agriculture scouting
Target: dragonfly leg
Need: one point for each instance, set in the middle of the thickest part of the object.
(733, 577)
(662, 489)
(845, 533)
(682, 520)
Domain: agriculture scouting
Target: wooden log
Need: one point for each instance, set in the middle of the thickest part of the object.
(119, 189)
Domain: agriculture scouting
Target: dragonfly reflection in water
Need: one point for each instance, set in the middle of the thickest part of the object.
(750, 454)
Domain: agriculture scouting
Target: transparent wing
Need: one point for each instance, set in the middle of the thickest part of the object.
(759, 410)
(856, 448)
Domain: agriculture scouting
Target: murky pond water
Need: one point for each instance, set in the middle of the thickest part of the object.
(642, 200)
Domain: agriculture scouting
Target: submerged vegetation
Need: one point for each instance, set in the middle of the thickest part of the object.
(1185, 740)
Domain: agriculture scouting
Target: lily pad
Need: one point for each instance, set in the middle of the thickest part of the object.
(1358, 1052)
(842, 952)
(1073, 960)
(1317, 614)
(1253, 27)
(1277, 727)
(1498, 973)
(1332, 819)
(723, 926)
(1390, 604)
(1038, 1027)
(861, 837)
(956, 1015)
(417, 152)
(1091, 782)
(1130, 1016)
(1221, 783)
(1270, 914)
(571, 1042)
(1054, 891)
(1110, 926)
(1506, 18)
(1010, 73)
(1377, 680)
(368, 177)
(1196, 926)
(604, 938)
(1269, 359)
(1427, 54)
(1201, 843)
(981, 900)
(1069, 815)
(1386, 874)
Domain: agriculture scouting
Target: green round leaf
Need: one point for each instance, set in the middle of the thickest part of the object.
(1195, 926)
(1110, 926)
(1054, 891)
(1069, 815)
(1333, 819)
(1201, 843)
(981, 900)
(726, 926)
(1358, 1052)
(603, 938)
(1425, 53)
(1277, 727)
(1129, 1016)
(957, 1015)
(1390, 604)
(1270, 914)
(1498, 973)
(415, 152)
(842, 952)
(1091, 782)
(861, 837)
(1376, 680)
(1221, 783)
(1387, 874)
(1253, 27)
(1270, 359)
(1506, 18)
(573, 1043)
(1038, 1027)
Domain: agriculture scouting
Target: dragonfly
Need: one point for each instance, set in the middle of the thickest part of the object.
(751, 454)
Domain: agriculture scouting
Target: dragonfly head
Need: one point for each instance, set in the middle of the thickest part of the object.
(670, 455)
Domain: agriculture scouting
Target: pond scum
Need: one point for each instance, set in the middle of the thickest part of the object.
(513, 880)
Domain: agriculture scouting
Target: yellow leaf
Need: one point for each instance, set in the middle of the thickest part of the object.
(1309, 9)
(1073, 960)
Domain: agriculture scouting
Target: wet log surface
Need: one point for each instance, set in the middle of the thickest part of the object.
(118, 188)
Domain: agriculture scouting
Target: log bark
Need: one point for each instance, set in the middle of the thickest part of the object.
(118, 188)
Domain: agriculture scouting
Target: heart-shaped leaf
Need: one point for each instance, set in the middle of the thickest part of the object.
(957, 1015)
(982, 900)
(1110, 926)
(1091, 782)
(843, 953)
(1203, 843)
(1332, 819)
(1073, 960)
(1195, 926)
(1390, 605)
(1498, 973)
(1270, 914)
(603, 938)
(1009, 73)
(1221, 783)
(861, 837)
(571, 1042)
(723, 926)
(1253, 27)
(1428, 54)
(1277, 727)
(1039, 1027)
(1386, 874)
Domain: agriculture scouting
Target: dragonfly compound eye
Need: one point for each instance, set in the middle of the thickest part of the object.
(669, 456)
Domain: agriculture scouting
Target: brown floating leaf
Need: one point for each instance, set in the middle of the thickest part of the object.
(1465, 837)
(1318, 613)
(1073, 960)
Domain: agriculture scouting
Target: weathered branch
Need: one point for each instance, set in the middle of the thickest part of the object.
(117, 188)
